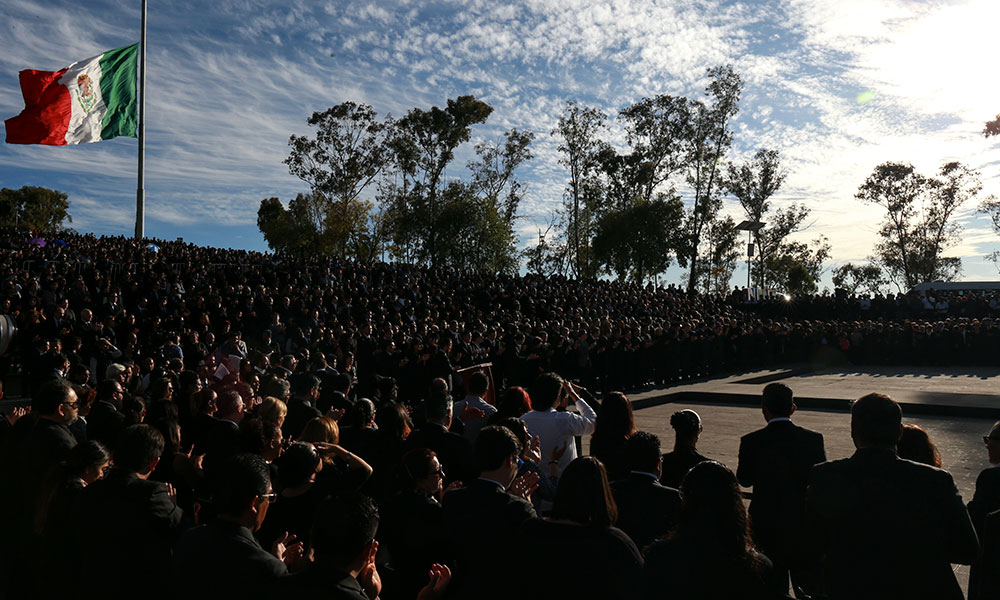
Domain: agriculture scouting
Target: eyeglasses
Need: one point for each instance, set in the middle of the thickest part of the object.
(73, 404)
(272, 497)
(987, 439)
(439, 473)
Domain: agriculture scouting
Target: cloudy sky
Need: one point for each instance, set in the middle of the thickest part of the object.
(836, 87)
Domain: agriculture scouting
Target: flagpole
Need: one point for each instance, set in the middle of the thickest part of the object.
(140, 192)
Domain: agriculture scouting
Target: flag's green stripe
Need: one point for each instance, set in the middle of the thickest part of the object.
(118, 88)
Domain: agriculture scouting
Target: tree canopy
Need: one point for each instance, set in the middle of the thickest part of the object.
(33, 207)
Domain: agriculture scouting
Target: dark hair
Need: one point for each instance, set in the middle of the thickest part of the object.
(138, 446)
(713, 516)
(86, 455)
(272, 385)
(778, 399)
(414, 466)
(342, 382)
(361, 412)
(545, 391)
(302, 383)
(642, 451)
(437, 406)
(297, 464)
(238, 480)
(614, 418)
(685, 422)
(170, 429)
(494, 445)
(518, 427)
(876, 419)
(583, 494)
(133, 408)
(394, 421)
(50, 396)
(344, 526)
(478, 383)
(914, 444)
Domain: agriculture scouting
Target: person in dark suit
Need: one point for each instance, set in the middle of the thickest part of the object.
(452, 449)
(106, 421)
(647, 510)
(775, 461)
(881, 526)
(301, 405)
(223, 555)
(483, 519)
(127, 524)
(985, 499)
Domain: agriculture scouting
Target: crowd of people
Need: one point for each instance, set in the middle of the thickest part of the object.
(207, 421)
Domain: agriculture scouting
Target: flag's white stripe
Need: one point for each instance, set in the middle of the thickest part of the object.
(87, 119)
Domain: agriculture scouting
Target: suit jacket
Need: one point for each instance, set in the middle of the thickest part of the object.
(647, 510)
(300, 411)
(453, 450)
(985, 500)
(223, 556)
(885, 527)
(126, 528)
(104, 423)
(318, 581)
(483, 521)
(775, 461)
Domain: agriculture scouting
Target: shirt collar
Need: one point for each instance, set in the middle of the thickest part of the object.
(779, 419)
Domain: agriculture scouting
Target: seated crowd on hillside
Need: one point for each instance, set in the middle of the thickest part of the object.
(207, 422)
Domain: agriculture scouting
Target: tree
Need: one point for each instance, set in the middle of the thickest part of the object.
(992, 127)
(753, 183)
(657, 129)
(991, 207)
(36, 208)
(346, 155)
(851, 278)
(722, 253)
(304, 227)
(423, 145)
(638, 242)
(795, 267)
(579, 128)
(919, 226)
(709, 140)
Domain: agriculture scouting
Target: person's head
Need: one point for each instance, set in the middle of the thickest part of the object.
(393, 421)
(231, 406)
(687, 426)
(242, 490)
(206, 401)
(89, 461)
(110, 390)
(161, 389)
(517, 426)
(778, 401)
(642, 452)
(479, 384)
(421, 469)
(546, 391)
(342, 383)
(272, 410)
(495, 453)
(139, 448)
(712, 511)
(438, 407)
(876, 421)
(305, 385)
(614, 417)
(583, 494)
(914, 444)
(320, 429)
(261, 437)
(272, 385)
(57, 401)
(514, 402)
(298, 465)
(992, 440)
(362, 413)
(344, 530)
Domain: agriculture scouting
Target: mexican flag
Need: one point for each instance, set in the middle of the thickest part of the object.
(88, 101)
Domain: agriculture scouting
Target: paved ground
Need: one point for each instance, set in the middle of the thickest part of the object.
(729, 408)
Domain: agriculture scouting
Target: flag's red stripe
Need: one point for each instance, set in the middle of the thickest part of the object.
(46, 113)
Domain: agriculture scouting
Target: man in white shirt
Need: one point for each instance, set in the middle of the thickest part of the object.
(479, 384)
(556, 428)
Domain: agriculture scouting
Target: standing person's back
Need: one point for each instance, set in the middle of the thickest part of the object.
(885, 527)
(556, 428)
(676, 464)
(128, 523)
(775, 461)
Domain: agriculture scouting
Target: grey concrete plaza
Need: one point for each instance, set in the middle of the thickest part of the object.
(956, 407)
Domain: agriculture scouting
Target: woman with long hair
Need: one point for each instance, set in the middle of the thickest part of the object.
(710, 555)
(594, 558)
(612, 428)
(342, 469)
(914, 444)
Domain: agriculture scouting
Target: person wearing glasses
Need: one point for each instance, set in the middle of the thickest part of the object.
(985, 500)
(57, 407)
(222, 557)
